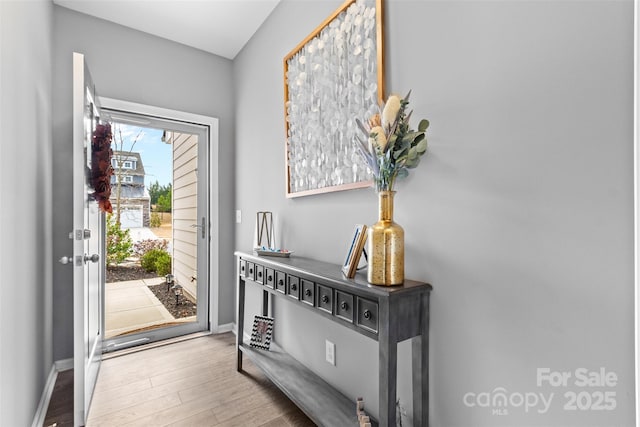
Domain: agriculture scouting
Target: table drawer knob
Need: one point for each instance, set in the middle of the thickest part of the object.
(325, 299)
(269, 278)
(344, 305)
(367, 314)
(294, 287)
(308, 292)
(280, 282)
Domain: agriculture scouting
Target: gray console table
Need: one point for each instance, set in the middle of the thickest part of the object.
(388, 315)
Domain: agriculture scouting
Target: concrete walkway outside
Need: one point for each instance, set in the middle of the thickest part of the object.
(131, 305)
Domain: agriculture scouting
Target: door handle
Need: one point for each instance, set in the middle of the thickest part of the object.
(78, 260)
(93, 258)
(202, 227)
(66, 260)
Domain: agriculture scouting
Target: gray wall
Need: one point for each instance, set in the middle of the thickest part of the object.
(521, 216)
(25, 207)
(136, 67)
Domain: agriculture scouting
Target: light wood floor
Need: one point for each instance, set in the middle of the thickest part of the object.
(190, 383)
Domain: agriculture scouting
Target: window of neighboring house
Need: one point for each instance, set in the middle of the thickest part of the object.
(127, 178)
(127, 164)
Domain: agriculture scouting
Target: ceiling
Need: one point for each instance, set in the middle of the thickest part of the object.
(221, 27)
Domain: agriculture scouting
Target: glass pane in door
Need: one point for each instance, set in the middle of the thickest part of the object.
(156, 234)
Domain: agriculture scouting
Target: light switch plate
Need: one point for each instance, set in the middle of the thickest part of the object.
(238, 216)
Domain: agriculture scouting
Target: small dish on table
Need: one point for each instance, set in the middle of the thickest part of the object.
(264, 251)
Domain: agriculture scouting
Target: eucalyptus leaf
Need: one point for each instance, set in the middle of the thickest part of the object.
(402, 173)
(399, 153)
(422, 146)
(413, 163)
(411, 136)
(424, 124)
(403, 145)
(417, 139)
(413, 153)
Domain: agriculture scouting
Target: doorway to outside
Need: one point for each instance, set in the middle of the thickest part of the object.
(157, 281)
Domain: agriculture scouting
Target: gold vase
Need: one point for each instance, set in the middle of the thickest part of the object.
(385, 245)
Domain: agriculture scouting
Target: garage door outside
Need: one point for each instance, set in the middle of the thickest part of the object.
(131, 216)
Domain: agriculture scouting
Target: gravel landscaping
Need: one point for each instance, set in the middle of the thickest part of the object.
(121, 273)
(184, 308)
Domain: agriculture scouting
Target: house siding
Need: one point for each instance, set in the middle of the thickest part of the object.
(185, 211)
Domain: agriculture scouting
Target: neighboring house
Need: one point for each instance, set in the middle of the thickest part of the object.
(135, 202)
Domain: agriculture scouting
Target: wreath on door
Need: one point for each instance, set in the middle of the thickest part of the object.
(101, 170)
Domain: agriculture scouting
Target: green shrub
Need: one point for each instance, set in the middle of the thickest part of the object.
(163, 264)
(155, 221)
(143, 246)
(119, 243)
(148, 260)
(156, 260)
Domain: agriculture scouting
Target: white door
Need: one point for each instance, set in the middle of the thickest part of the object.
(88, 246)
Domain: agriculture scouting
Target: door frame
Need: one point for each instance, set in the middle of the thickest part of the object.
(214, 190)
(636, 199)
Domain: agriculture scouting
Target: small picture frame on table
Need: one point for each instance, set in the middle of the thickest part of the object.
(356, 247)
(261, 333)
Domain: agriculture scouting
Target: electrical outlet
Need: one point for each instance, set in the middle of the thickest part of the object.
(330, 352)
(238, 216)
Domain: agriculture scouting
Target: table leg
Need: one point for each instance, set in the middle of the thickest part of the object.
(388, 357)
(265, 303)
(240, 322)
(420, 368)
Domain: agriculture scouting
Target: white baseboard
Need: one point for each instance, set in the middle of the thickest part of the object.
(43, 405)
(63, 365)
(227, 327)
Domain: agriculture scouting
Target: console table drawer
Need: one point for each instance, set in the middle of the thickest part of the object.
(251, 270)
(259, 274)
(293, 286)
(344, 306)
(280, 281)
(243, 268)
(325, 299)
(367, 317)
(270, 278)
(308, 292)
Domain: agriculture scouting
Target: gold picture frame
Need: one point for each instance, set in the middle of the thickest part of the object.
(333, 76)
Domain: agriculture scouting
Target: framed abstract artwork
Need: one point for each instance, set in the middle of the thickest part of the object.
(333, 76)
